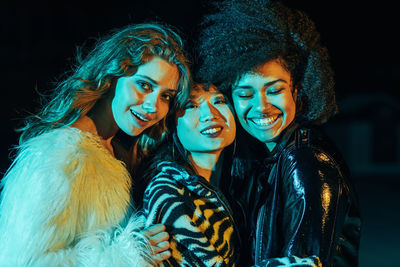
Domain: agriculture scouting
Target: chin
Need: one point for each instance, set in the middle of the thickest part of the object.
(263, 139)
(210, 149)
(135, 132)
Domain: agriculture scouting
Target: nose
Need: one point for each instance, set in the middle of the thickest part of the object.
(150, 102)
(262, 103)
(207, 112)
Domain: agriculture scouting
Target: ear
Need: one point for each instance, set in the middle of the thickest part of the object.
(295, 95)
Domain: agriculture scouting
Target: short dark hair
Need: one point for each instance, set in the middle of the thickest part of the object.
(242, 34)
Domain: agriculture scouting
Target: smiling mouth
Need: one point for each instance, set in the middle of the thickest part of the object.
(212, 131)
(263, 122)
(139, 116)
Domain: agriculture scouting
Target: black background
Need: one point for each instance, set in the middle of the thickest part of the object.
(38, 44)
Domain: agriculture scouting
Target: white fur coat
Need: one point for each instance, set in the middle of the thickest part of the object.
(63, 202)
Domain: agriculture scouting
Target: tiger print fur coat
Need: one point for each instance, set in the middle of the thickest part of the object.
(196, 214)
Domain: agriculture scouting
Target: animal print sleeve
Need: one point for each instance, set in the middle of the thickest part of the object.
(169, 202)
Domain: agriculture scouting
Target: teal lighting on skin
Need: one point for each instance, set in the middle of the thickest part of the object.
(205, 127)
(265, 102)
(142, 100)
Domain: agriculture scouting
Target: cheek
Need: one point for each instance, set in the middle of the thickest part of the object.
(116, 106)
(229, 117)
(122, 102)
(232, 128)
(162, 110)
(185, 124)
(240, 107)
(285, 103)
(290, 107)
(123, 91)
(185, 130)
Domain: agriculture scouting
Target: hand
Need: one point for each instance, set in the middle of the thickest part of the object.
(158, 240)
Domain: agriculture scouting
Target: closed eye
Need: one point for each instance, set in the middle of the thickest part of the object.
(275, 91)
(244, 95)
(243, 92)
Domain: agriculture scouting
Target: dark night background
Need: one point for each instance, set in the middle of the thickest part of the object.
(38, 44)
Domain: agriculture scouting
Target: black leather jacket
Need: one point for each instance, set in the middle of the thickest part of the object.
(299, 201)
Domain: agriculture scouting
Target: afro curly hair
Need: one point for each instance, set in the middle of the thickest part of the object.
(243, 34)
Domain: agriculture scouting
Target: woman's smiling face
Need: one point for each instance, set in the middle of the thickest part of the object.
(206, 124)
(264, 101)
(142, 100)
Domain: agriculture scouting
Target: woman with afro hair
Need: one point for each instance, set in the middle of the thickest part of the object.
(291, 190)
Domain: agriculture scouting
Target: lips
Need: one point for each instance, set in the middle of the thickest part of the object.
(265, 122)
(212, 131)
(142, 119)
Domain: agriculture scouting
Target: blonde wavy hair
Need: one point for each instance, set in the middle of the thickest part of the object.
(114, 56)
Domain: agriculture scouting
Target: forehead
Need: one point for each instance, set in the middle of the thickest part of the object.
(269, 71)
(164, 73)
(200, 93)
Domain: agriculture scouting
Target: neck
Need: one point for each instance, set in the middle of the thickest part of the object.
(204, 163)
(100, 122)
(270, 146)
(103, 119)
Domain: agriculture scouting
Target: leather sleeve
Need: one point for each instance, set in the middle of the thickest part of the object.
(315, 203)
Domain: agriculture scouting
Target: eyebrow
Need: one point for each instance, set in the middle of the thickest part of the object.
(216, 94)
(268, 84)
(154, 82)
(148, 78)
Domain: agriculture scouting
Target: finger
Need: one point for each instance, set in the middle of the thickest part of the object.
(160, 247)
(152, 230)
(158, 258)
(157, 238)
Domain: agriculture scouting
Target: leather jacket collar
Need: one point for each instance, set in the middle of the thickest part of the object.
(281, 143)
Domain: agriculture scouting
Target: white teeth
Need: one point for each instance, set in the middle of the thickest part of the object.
(211, 130)
(264, 121)
(139, 116)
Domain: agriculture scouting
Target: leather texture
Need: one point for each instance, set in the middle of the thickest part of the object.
(298, 201)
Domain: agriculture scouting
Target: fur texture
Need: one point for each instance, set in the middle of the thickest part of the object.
(63, 202)
(197, 216)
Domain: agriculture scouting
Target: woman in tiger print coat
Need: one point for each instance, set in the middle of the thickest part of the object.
(183, 194)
